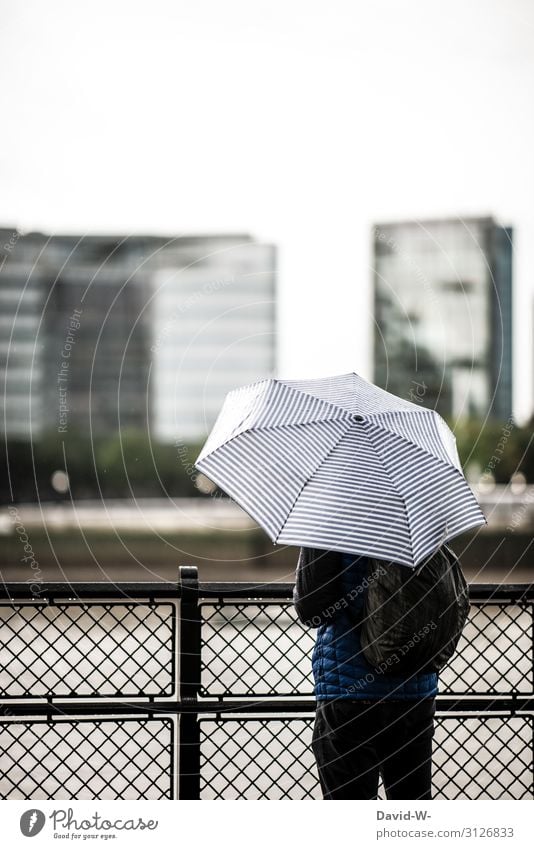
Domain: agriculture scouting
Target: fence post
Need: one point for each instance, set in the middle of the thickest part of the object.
(190, 647)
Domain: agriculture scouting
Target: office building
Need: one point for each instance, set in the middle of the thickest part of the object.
(21, 307)
(107, 333)
(213, 329)
(443, 314)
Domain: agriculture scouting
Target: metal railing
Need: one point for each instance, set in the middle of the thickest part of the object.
(188, 690)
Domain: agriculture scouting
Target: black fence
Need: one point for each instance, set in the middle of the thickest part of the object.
(188, 690)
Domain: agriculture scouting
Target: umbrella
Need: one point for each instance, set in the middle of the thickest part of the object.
(338, 463)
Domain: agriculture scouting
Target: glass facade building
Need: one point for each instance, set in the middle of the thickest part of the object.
(22, 295)
(103, 333)
(213, 328)
(443, 314)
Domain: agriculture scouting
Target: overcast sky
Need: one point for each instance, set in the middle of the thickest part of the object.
(299, 122)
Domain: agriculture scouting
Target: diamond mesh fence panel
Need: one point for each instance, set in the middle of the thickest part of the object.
(494, 654)
(481, 757)
(87, 759)
(257, 649)
(261, 649)
(253, 649)
(93, 649)
(258, 759)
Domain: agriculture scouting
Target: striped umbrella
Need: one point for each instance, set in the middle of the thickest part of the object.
(338, 463)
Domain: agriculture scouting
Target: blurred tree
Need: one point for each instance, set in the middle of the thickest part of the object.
(128, 465)
(495, 447)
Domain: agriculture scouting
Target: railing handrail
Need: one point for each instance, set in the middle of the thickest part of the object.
(215, 589)
(211, 589)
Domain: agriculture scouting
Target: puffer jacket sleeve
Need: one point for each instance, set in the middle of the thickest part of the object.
(317, 585)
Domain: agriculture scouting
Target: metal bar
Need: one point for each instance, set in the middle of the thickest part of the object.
(257, 706)
(190, 673)
(501, 592)
(97, 589)
(155, 589)
(224, 589)
(477, 591)
(214, 589)
(190, 634)
(532, 684)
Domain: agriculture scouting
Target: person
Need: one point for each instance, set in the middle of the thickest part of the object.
(368, 723)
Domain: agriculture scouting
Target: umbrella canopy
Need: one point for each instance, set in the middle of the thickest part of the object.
(338, 463)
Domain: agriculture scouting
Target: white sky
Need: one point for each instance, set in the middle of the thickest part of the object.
(299, 122)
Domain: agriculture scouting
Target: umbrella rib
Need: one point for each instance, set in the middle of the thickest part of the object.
(315, 397)
(256, 428)
(374, 418)
(380, 460)
(395, 487)
(332, 448)
(348, 417)
(416, 447)
(394, 483)
(413, 445)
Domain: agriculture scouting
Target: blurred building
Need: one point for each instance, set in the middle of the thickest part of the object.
(213, 326)
(101, 333)
(22, 295)
(443, 314)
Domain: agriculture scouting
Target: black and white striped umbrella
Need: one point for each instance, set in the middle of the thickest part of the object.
(338, 463)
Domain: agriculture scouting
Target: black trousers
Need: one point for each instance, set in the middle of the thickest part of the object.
(354, 742)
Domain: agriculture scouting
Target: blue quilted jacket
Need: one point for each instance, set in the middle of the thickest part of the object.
(340, 669)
